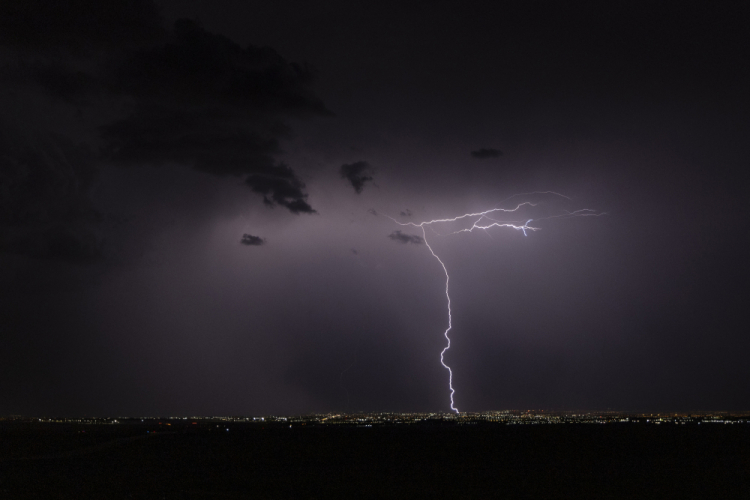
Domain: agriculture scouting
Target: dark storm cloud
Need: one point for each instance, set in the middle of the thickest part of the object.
(484, 153)
(372, 211)
(159, 135)
(196, 67)
(183, 97)
(357, 173)
(250, 240)
(406, 238)
(204, 101)
(405, 213)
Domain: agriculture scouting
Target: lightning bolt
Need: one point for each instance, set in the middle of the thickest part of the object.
(479, 223)
(450, 320)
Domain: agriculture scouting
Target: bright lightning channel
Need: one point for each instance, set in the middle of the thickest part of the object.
(479, 224)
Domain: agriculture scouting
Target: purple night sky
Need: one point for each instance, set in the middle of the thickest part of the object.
(193, 201)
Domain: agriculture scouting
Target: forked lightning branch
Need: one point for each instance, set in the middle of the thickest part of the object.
(485, 221)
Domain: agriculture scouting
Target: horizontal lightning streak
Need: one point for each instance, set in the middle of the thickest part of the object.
(454, 219)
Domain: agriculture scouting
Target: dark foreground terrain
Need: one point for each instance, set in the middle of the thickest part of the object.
(196, 461)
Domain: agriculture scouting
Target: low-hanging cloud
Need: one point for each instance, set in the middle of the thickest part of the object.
(485, 153)
(357, 173)
(251, 240)
(406, 238)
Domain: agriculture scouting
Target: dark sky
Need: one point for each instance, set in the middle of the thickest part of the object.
(193, 201)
